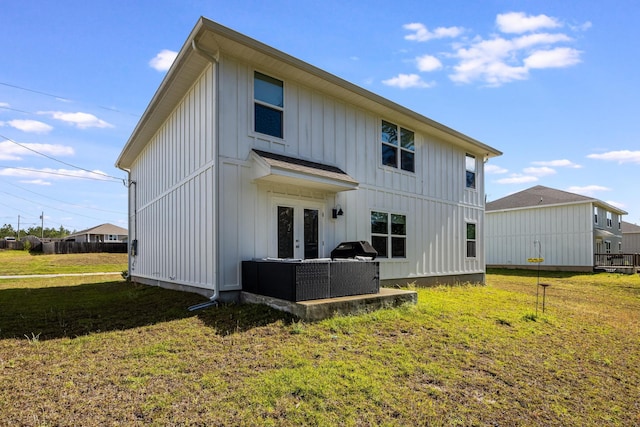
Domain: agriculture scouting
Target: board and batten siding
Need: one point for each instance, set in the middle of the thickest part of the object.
(631, 243)
(565, 234)
(175, 194)
(328, 130)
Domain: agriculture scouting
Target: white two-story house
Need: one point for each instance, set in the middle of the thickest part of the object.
(564, 229)
(246, 152)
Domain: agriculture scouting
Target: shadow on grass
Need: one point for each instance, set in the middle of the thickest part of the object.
(71, 311)
(534, 273)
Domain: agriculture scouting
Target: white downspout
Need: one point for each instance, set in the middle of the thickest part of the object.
(214, 58)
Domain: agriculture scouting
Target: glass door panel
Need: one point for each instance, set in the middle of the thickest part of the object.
(310, 233)
(285, 232)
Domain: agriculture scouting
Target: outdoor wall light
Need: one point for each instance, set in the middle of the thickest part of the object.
(337, 211)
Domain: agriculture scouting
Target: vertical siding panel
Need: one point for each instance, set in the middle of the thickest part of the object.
(304, 126)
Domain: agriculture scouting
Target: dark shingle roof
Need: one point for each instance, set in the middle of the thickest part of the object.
(541, 196)
(102, 229)
(627, 227)
(535, 196)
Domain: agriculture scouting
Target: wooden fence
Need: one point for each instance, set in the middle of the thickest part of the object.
(83, 247)
(11, 244)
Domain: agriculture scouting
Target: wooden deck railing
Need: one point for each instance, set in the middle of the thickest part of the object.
(613, 262)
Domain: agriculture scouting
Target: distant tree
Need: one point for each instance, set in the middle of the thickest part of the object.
(7, 230)
(49, 233)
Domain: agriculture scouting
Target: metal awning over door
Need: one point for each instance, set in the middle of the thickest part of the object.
(278, 168)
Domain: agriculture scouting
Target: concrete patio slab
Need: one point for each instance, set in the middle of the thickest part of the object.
(324, 308)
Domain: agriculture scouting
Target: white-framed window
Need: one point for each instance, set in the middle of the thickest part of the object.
(471, 240)
(595, 215)
(389, 234)
(112, 237)
(268, 94)
(607, 246)
(619, 247)
(609, 219)
(471, 167)
(398, 147)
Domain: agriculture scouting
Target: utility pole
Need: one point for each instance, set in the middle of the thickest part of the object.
(18, 238)
(42, 226)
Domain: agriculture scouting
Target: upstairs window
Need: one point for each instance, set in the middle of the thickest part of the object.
(398, 147)
(470, 166)
(595, 215)
(268, 94)
(471, 240)
(609, 220)
(389, 234)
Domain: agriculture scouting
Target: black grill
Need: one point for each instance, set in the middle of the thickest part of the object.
(354, 249)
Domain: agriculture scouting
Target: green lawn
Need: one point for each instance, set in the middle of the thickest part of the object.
(93, 351)
(23, 263)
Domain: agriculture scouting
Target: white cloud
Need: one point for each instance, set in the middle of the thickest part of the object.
(494, 169)
(563, 163)
(517, 179)
(36, 182)
(621, 156)
(78, 119)
(422, 34)
(163, 60)
(4, 104)
(53, 174)
(12, 151)
(499, 60)
(404, 81)
(32, 126)
(527, 42)
(539, 171)
(588, 190)
(581, 27)
(518, 22)
(428, 63)
(544, 39)
(559, 57)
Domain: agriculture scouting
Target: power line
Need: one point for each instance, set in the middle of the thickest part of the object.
(35, 91)
(51, 207)
(62, 201)
(64, 99)
(111, 179)
(59, 161)
(4, 107)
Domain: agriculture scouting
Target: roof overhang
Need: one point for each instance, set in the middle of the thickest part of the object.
(604, 234)
(281, 169)
(209, 41)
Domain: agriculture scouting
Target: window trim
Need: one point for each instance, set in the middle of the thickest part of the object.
(254, 101)
(389, 235)
(399, 148)
(474, 171)
(474, 240)
(609, 216)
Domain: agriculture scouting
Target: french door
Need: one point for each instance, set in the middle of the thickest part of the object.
(298, 230)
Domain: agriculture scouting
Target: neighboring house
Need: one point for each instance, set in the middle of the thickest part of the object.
(563, 228)
(246, 152)
(630, 238)
(107, 233)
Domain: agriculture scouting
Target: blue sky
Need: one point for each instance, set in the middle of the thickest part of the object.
(554, 85)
